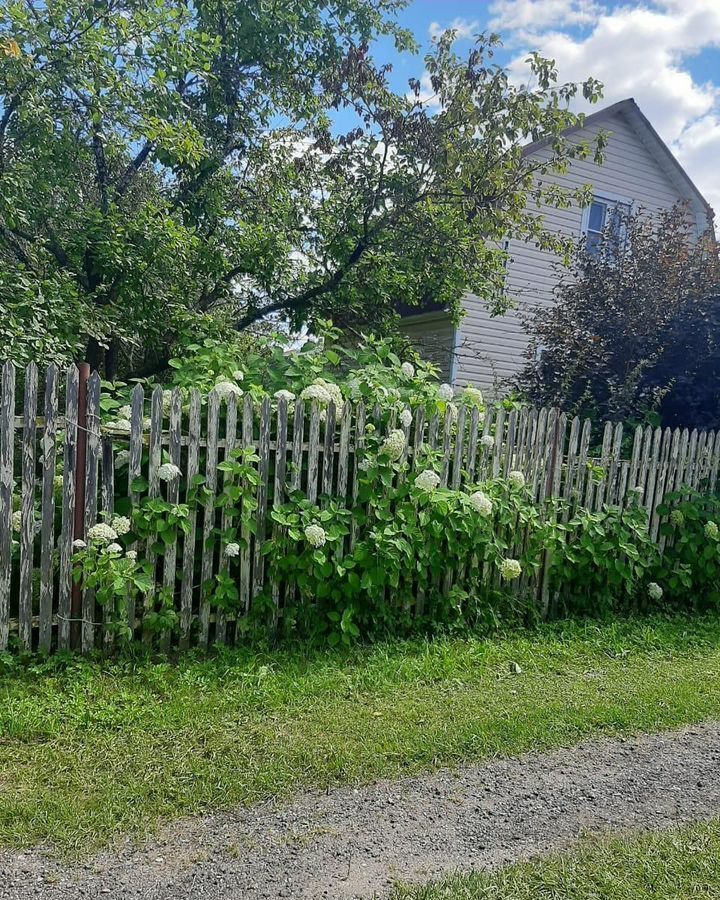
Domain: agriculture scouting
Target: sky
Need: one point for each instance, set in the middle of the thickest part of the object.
(664, 53)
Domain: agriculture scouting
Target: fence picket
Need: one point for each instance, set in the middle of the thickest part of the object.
(313, 453)
(206, 565)
(262, 498)
(68, 508)
(173, 496)
(278, 496)
(47, 506)
(92, 460)
(27, 531)
(188, 561)
(7, 447)
(226, 518)
(108, 507)
(245, 535)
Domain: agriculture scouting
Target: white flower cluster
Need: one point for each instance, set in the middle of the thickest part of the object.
(677, 518)
(325, 392)
(79, 544)
(238, 375)
(120, 425)
(131, 554)
(125, 412)
(232, 549)
(655, 592)
(445, 392)
(58, 482)
(168, 472)
(408, 369)
(315, 535)
(364, 464)
(427, 480)
(406, 418)
(487, 441)
(394, 444)
(17, 521)
(114, 548)
(225, 388)
(711, 530)
(472, 396)
(166, 402)
(102, 534)
(121, 524)
(510, 569)
(481, 503)
(288, 396)
(516, 479)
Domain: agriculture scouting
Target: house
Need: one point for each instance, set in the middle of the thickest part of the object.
(639, 171)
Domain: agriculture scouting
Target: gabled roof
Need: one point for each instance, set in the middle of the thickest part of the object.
(652, 142)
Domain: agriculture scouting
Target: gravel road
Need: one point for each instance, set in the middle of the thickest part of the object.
(357, 843)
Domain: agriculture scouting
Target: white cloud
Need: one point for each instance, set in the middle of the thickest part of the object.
(638, 51)
(531, 15)
(463, 29)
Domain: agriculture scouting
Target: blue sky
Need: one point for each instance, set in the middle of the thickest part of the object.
(664, 53)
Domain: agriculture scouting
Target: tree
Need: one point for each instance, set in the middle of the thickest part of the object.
(168, 168)
(635, 329)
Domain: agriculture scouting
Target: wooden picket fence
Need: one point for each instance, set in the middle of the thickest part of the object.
(53, 426)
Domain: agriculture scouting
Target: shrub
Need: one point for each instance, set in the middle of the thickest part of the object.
(634, 329)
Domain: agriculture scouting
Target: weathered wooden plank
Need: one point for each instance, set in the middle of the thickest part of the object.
(328, 460)
(27, 528)
(245, 534)
(107, 504)
(499, 442)
(472, 445)
(135, 448)
(510, 437)
(359, 444)
(297, 446)
(313, 453)
(47, 534)
(7, 451)
(92, 460)
(668, 439)
(262, 497)
(206, 565)
(278, 496)
(611, 493)
(343, 461)
(226, 518)
(68, 508)
(154, 462)
(188, 562)
(459, 447)
(173, 496)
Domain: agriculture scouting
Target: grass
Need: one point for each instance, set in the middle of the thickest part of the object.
(94, 751)
(674, 865)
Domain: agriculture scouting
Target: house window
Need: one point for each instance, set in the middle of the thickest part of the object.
(603, 220)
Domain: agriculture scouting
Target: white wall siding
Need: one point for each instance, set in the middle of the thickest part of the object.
(491, 350)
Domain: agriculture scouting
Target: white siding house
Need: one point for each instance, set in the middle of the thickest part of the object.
(638, 171)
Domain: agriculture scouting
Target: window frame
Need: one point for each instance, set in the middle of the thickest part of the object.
(609, 200)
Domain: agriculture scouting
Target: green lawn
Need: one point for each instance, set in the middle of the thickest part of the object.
(676, 865)
(98, 750)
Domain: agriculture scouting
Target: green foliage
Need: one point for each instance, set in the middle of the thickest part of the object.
(633, 333)
(689, 568)
(171, 171)
(601, 560)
